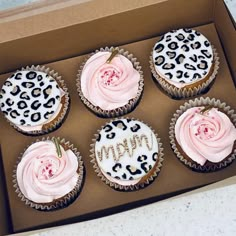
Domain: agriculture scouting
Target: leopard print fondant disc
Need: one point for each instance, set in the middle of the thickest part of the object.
(183, 56)
(126, 150)
(29, 98)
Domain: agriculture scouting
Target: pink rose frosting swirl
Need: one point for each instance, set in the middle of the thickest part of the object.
(209, 136)
(42, 176)
(109, 85)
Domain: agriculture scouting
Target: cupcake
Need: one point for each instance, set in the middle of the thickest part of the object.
(34, 100)
(184, 63)
(127, 154)
(203, 134)
(110, 82)
(49, 174)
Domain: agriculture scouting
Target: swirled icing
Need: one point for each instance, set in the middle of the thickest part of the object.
(208, 136)
(42, 176)
(109, 85)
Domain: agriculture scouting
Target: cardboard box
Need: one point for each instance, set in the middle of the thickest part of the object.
(60, 39)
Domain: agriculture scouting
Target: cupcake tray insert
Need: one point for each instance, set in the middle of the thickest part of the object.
(155, 108)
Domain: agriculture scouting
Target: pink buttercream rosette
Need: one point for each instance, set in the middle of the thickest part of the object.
(57, 122)
(179, 93)
(45, 184)
(210, 138)
(112, 89)
(132, 187)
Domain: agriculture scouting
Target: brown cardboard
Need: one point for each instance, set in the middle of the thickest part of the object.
(138, 26)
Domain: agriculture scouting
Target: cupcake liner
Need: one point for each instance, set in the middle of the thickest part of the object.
(155, 171)
(188, 162)
(186, 92)
(56, 123)
(120, 110)
(63, 201)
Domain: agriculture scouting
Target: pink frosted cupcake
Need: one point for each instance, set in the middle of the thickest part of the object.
(110, 82)
(203, 135)
(49, 175)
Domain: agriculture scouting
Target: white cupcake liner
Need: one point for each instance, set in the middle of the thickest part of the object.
(186, 92)
(196, 103)
(133, 187)
(120, 110)
(63, 201)
(54, 124)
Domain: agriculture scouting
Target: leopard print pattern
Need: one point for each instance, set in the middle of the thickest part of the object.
(126, 149)
(29, 98)
(183, 56)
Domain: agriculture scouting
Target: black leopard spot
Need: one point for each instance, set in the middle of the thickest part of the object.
(146, 167)
(180, 59)
(3, 91)
(179, 74)
(159, 60)
(18, 76)
(47, 91)
(195, 45)
(204, 73)
(15, 90)
(169, 75)
(186, 75)
(109, 173)
(171, 55)
(201, 57)
(168, 66)
(133, 170)
(31, 75)
(173, 31)
(12, 75)
(111, 135)
(22, 122)
(206, 43)
(191, 37)
(28, 84)
(2, 105)
(50, 103)
(128, 120)
(185, 48)
(202, 65)
(120, 124)
(135, 128)
(5, 113)
(47, 114)
(168, 38)
(107, 128)
(24, 95)
(36, 116)
(173, 45)
(188, 30)
(197, 33)
(162, 37)
(9, 102)
(182, 81)
(116, 167)
(39, 77)
(180, 37)
(36, 92)
(26, 113)
(41, 84)
(22, 105)
(206, 53)
(193, 58)
(117, 177)
(154, 156)
(186, 41)
(14, 114)
(58, 97)
(9, 109)
(98, 137)
(159, 47)
(124, 176)
(196, 76)
(7, 83)
(131, 178)
(190, 67)
(142, 158)
(35, 105)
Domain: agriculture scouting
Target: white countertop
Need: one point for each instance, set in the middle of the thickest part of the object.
(207, 211)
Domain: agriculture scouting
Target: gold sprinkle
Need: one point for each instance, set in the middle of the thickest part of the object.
(113, 54)
(58, 148)
(206, 109)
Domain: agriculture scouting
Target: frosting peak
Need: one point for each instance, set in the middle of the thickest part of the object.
(109, 85)
(209, 136)
(42, 176)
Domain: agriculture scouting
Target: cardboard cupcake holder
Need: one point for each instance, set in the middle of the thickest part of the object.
(137, 36)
